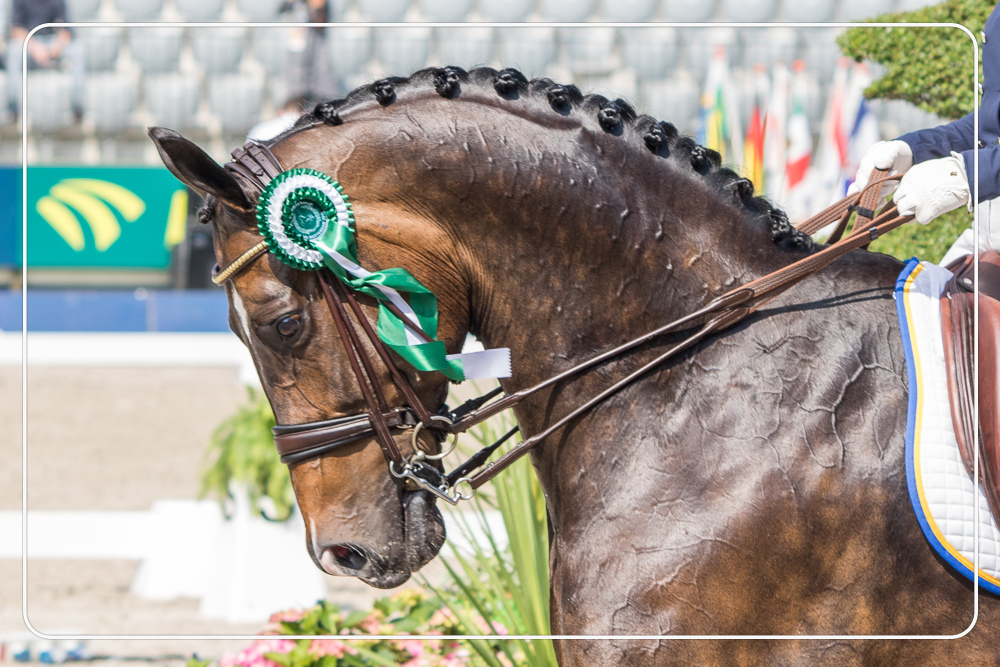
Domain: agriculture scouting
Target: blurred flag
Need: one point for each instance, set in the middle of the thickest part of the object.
(753, 147)
(775, 136)
(860, 124)
(832, 153)
(720, 126)
(799, 190)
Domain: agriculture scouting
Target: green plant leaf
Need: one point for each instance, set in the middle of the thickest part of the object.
(355, 617)
(242, 451)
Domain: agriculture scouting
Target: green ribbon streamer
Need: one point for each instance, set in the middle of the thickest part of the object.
(425, 356)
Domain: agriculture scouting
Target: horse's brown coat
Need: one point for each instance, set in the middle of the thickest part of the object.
(754, 486)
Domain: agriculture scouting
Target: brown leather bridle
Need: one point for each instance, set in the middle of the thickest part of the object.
(255, 164)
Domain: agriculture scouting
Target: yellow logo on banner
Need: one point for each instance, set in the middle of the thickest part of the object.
(89, 198)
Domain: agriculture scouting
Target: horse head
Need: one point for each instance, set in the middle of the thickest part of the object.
(360, 522)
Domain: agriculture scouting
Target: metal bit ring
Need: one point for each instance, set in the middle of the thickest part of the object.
(421, 454)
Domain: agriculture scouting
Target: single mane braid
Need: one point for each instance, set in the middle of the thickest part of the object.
(558, 97)
(508, 81)
(446, 81)
(385, 91)
(613, 117)
(327, 112)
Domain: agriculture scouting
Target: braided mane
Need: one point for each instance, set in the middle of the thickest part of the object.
(615, 117)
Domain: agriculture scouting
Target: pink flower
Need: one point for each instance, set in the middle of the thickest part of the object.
(414, 647)
(454, 660)
(441, 617)
(289, 615)
(334, 647)
(372, 624)
(253, 655)
(490, 628)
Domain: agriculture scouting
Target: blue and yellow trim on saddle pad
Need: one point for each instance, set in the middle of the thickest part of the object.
(943, 494)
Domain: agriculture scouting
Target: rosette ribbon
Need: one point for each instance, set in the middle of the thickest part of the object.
(307, 221)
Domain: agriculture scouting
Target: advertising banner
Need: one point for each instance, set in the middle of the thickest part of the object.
(128, 217)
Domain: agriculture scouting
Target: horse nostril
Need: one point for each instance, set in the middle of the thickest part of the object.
(349, 557)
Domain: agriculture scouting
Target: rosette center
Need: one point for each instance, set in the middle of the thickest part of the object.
(308, 219)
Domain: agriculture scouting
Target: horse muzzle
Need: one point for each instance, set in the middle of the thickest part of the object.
(423, 537)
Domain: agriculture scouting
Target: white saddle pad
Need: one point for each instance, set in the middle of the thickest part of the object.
(943, 494)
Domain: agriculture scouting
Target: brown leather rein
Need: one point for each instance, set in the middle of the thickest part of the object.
(256, 165)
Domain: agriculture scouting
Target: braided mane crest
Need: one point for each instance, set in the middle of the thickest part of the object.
(615, 117)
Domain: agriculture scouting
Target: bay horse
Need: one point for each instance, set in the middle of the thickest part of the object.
(753, 485)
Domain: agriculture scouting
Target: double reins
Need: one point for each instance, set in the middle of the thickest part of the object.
(257, 165)
(720, 313)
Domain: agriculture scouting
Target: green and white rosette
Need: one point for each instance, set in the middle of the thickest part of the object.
(307, 221)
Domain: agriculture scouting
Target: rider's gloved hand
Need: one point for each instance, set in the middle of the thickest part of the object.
(933, 187)
(896, 156)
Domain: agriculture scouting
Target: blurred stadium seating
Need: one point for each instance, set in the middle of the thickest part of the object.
(259, 10)
(236, 99)
(49, 106)
(220, 81)
(172, 99)
(101, 46)
(82, 10)
(139, 10)
(511, 11)
(445, 11)
(109, 100)
(217, 50)
(465, 45)
(629, 11)
(155, 49)
(200, 10)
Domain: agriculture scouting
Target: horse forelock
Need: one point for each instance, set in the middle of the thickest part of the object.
(614, 117)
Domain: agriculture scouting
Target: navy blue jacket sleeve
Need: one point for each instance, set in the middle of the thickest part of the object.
(937, 142)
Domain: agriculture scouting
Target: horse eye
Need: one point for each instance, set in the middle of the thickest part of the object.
(289, 326)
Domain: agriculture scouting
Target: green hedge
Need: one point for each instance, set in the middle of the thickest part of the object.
(930, 68)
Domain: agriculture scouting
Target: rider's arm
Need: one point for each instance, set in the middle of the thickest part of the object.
(935, 142)
(938, 142)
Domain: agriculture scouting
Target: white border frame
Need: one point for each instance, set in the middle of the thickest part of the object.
(426, 24)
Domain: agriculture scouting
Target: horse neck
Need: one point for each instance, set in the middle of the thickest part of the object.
(592, 261)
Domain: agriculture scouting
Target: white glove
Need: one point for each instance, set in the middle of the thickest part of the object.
(896, 156)
(933, 187)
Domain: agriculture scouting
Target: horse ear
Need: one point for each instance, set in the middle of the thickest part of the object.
(195, 168)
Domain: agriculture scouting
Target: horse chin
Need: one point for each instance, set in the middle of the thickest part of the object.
(424, 528)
